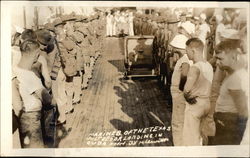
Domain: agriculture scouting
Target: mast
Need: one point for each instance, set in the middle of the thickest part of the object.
(24, 17)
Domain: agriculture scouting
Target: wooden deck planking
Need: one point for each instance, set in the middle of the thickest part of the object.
(106, 110)
(93, 113)
(111, 104)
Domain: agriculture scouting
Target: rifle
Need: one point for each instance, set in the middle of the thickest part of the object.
(173, 22)
(58, 53)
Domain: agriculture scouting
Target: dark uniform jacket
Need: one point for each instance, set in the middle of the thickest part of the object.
(77, 38)
(68, 54)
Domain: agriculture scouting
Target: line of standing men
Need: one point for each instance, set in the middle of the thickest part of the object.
(195, 114)
(163, 28)
(119, 23)
(61, 57)
(181, 51)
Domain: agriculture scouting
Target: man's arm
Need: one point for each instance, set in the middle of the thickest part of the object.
(45, 72)
(218, 77)
(192, 77)
(17, 103)
(184, 71)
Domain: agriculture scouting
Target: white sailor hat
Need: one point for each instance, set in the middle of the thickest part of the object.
(230, 34)
(237, 11)
(203, 16)
(219, 18)
(179, 41)
(189, 15)
(196, 18)
(19, 29)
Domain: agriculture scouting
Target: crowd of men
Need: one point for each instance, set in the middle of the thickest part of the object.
(51, 67)
(202, 66)
(201, 62)
(119, 23)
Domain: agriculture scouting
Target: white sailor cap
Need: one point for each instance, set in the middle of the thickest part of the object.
(219, 18)
(179, 41)
(189, 15)
(237, 11)
(203, 16)
(230, 34)
(19, 29)
(196, 18)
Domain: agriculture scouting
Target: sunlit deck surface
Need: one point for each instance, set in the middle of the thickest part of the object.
(111, 103)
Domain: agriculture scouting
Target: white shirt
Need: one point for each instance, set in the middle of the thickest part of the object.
(188, 26)
(122, 19)
(117, 18)
(176, 77)
(204, 29)
(28, 84)
(109, 19)
(218, 31)
(131, 19)
(236, 81)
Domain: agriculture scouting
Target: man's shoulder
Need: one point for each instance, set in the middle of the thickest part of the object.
(68, 44)
(25, 75)
(205, 26)
(15, 49)
(220, 27)
(184, 58)
(19, 70)
(42, 58)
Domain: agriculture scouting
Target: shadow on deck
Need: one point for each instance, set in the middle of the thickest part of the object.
(143, 102)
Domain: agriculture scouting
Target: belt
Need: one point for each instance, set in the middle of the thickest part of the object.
(226, 113)
(230, 117)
